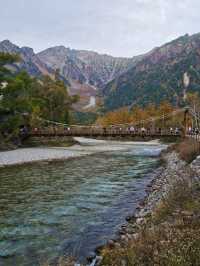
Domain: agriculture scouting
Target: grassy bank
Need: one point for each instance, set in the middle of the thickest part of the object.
(188, 149)
(7, 144)
(171, 234)
(49, 142)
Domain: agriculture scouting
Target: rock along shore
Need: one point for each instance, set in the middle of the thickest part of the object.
(173, 170)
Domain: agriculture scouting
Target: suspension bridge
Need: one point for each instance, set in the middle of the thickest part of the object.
(188, 121)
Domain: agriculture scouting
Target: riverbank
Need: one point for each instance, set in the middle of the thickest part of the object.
(166, 227)
(54, 141)
(85, 147)
(30, 155)
(36, 142)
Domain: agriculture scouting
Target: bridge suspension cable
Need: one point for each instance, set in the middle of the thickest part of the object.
(144, 121)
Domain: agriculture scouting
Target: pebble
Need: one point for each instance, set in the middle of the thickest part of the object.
(135, 236)
(139, 220)
(98, 260)
(118, 245)
(91, 256)
(124, 238)
(111, 243)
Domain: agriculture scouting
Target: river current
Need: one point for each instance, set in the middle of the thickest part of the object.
(69, 207)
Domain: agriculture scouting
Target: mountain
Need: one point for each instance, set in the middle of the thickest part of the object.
(29, 60)
(165, 73)
(86, 66)
(86, 71)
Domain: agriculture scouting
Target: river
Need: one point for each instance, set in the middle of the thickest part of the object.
(68, 207)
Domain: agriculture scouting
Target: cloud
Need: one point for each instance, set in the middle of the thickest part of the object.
(118, 27)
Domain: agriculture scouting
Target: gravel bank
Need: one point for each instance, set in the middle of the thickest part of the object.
(28, 155)
(164, 179)
(89, 146)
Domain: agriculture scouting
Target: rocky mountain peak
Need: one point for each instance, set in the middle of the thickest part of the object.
(27, 51)
(9, 47)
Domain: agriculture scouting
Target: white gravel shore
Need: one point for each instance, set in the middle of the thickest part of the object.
(27, 155)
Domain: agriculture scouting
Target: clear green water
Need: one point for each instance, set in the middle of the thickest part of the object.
(49, 210)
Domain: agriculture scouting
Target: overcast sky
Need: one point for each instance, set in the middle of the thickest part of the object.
(116, 27)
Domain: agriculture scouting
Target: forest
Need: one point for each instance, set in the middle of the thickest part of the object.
(27, 101)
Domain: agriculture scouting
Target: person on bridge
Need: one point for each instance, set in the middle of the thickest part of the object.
(177, 131)
(190, 130)
(35, 130)
(132, 130)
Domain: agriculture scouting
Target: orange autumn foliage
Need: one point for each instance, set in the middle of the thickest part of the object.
(138, 114)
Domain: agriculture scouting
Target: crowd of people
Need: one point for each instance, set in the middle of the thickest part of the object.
(118, 130)
(142, 130)
(193, 131)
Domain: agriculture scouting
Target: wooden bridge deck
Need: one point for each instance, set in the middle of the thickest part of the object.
(94, 134)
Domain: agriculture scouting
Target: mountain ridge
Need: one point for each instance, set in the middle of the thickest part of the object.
(158, 76)
(153, 77)
(78, 65)
(86, 72)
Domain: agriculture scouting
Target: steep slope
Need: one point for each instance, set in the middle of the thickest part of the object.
(158, 76)
(29, 60)
(58, 58)
(85, 71)
(86, 66)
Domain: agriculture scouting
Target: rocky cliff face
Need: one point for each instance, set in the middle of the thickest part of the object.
(86, 66)
(158, 76)
(29, 60)
(86, 71)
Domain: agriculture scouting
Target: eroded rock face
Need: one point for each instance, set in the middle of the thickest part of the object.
(85, 66)
(29, 60)
(85, 71)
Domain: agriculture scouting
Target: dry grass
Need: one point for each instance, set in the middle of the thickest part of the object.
(63, 261)
(170, 238)
(188, 149)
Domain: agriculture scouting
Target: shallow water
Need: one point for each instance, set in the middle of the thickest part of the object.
(54, 209)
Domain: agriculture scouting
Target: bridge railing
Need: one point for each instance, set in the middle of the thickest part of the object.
(102, 131)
